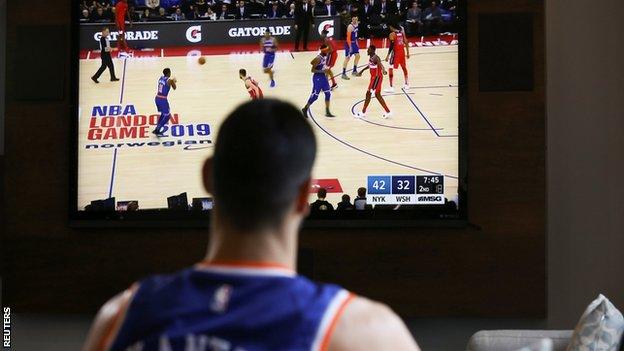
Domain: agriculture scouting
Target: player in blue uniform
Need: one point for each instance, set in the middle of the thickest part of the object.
(162, 104)
(351, 47)
(268, 44)
(320, 83)
(245, 295)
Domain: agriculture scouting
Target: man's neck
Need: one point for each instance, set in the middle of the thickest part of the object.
(275, 246)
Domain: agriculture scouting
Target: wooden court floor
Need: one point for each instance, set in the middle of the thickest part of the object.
(115, 159)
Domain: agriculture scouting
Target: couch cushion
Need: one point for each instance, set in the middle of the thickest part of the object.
(506, 340)
(545, 344)
(600, 328)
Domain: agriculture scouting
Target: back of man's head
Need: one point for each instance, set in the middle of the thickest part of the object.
(263, 155)
(321, 193)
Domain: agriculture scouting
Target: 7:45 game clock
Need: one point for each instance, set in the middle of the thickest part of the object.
(405, 190)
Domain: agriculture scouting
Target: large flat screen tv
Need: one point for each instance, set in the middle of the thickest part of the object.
(377, 169)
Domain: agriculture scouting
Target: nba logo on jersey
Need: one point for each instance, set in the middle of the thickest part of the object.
(221, 298)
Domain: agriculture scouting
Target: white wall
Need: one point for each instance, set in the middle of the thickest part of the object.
(585, 121)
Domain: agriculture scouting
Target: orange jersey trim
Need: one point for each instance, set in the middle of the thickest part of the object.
(243, 264)
(334, 322)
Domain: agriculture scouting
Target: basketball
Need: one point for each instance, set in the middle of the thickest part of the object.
(201, 60)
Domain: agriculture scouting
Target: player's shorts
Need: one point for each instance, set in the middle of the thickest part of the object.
(354, 49)
(397, 60)
(375, 84)
(267, 61)
(331, 60)
(162, 105)
(320, 83)
(256, 95)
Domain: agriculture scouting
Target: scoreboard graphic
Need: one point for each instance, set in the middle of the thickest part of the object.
(405, 190)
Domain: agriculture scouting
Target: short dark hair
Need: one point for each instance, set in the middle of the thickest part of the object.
(362, 192)
(346, 197)
(167, 72)
(243, 72)
(263, 154)
(322, 193)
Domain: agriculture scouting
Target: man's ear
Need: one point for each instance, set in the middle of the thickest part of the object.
(302, 206)
(207, 175)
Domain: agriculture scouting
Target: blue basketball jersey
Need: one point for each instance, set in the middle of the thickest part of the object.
(230, 307)
(354, 33)
(321, 66)
(163, 86)
(268, 45)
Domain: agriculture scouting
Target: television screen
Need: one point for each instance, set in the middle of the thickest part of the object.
(383, 92)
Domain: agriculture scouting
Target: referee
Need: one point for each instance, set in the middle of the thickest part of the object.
(105, 55)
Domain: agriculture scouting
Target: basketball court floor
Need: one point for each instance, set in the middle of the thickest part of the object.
(118, 155)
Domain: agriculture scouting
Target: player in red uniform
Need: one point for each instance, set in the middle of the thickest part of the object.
(121, 9)
(377, 71)
(332, 56)
(397, 54)
(252, 86)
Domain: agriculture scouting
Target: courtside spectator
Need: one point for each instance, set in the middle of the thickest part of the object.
(321, 204)
(246, 294)
(224, 12)
(360, 200)
(432, 19)
(414, 22)
(274, 11)
(85, 16)
(162, 15)
(178, 15)
(211, 15)
(100, 16)
(345, 204)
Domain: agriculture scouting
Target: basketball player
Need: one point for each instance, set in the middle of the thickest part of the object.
(332, 56)
(246, 294)
(351, 47)
(162, 104)
(121, 9)
(377, 71)
(252, 86)
(268, 44)
(397, 53)
(319, 81)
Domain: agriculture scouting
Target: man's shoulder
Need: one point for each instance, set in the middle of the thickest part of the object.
(371, 325)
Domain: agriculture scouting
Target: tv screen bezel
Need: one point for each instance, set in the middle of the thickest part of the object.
(189, 219)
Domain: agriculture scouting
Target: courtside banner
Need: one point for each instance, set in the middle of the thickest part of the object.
(189, 33)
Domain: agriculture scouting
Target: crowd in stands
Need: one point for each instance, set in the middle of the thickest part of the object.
(419, 16)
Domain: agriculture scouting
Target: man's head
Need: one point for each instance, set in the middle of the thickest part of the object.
(100, 11)
(267, 33)
(414, 5)
(361, 192)
(178, 11)
(346, 198)
(354, 20)
(161, 11)
(105, 31)
(321, 193)
(327, 2)
(259, 174)
(242, 73)
(85, 13)
(167, 72)
(433, 4)
(371, 50)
